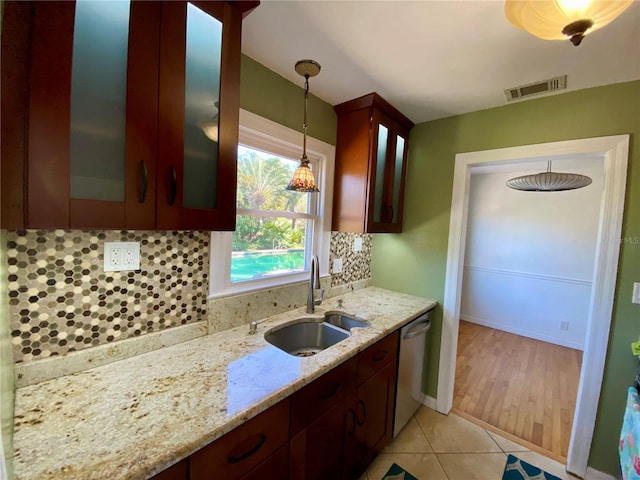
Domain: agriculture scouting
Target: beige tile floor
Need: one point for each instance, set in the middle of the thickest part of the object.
(439, 447)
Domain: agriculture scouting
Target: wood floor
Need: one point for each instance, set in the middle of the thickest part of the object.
(521, 386)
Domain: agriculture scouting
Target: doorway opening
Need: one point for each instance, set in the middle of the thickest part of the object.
(528, 266)
(614, 153)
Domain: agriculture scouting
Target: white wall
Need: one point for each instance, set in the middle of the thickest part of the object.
(530, 255)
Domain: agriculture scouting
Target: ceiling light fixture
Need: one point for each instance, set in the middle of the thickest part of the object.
(562, 19)
(210, 127)
(302, 180)
(549, 181)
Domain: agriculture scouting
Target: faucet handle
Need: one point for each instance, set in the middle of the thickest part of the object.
(340, 303)
(318, 295)
(253, 327)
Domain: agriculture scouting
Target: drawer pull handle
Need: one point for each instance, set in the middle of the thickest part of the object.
(330, 393)
(380, 355)
(173, 192)
(360, 421)
(144, 180)
(352, 415)
(261, 439)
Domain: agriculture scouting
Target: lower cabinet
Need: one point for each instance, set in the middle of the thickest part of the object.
(343, 441)
(373, 409)
(332, 428)
(320, 450)
(241, 450)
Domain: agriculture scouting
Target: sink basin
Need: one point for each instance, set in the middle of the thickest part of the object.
(305, 338)
(343, 320)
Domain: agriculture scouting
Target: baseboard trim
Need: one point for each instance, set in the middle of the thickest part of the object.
(523, 333)
(428, 401)
(593, 474)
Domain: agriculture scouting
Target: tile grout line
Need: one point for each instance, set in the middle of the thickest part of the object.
(431, 447)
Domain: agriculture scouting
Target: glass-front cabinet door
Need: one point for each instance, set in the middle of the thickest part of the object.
(132, 114)
(93, 111)
(388, 168)
(197, 146)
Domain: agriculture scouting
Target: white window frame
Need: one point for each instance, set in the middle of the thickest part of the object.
(263, 134)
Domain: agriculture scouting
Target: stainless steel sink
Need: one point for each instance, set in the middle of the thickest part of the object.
(304, 339)
(343, 320)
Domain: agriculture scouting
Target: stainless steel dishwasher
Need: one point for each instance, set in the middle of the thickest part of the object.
(413, 338)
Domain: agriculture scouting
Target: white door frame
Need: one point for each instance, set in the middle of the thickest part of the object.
(615, 151)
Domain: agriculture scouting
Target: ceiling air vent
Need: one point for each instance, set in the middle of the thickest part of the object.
(537, 88)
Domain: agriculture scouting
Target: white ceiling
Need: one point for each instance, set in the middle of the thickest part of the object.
(430, 59)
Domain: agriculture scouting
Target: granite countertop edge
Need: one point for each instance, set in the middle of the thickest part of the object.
(53, 419)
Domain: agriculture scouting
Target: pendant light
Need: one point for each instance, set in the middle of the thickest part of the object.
(549, 181)
(302, 180)
(562, 19)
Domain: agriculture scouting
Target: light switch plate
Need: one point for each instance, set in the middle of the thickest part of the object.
(121, 256)
(357, 244)
(636, 293)
(337, 265)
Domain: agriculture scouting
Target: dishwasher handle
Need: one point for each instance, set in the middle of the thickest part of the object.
(414, 332)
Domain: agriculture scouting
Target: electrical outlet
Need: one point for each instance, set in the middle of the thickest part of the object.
(337, 265)
(357, 244)
(564, 325)
(121, 256)
(636, 293)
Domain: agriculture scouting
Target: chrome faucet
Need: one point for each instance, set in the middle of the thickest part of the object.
(314, 286)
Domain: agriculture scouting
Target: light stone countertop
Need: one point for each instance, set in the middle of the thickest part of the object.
(136, 417)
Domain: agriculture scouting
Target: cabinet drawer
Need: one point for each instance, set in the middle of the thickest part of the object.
(276, 467)
(240, 450)
(377, 356)
(317, 397)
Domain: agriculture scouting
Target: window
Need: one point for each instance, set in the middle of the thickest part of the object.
(277, 231)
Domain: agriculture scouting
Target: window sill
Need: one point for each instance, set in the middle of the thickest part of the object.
(258, 285)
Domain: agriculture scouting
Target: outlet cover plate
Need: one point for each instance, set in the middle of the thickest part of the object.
(357, 244)
(636, 292)
(121, 256)
(337, 265)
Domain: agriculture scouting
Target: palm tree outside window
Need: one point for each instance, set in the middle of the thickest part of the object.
(274, 226)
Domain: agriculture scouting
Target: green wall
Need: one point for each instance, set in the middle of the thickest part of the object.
(265, 93)
(415, 261)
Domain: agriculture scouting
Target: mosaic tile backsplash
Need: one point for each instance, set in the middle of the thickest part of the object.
(356, 266)
(61, 300)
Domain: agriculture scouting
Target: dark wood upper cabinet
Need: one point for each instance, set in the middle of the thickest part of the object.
(371, 162)
(108, 103)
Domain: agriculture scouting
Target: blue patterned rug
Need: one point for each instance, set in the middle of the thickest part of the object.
(517, 469)
(398, 473)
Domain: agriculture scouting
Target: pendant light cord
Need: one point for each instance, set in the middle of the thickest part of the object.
(304, 122)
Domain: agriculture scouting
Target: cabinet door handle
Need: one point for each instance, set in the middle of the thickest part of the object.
(235, 459)
(173, 192)
(144, 181)
(361, 405)
(352, 415)
(330, 393)
(390, 220)
(379, 355)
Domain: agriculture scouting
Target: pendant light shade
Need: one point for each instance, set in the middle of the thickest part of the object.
(302, 180)
(549, 181)
(562, 19)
